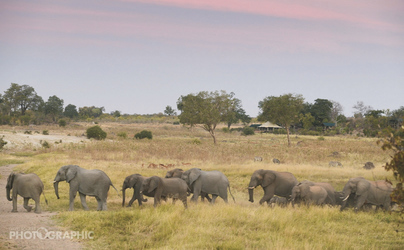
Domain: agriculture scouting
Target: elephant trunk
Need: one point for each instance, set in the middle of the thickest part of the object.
(251, 194)
(56, 186)
(8, 194)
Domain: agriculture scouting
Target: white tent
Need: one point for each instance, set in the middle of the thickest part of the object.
(269, 126)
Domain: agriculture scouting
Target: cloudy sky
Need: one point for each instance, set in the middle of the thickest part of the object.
(138, 56)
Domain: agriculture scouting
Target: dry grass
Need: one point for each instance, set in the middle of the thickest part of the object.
(237, 226)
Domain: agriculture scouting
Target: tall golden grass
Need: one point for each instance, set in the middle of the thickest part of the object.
(237, 225)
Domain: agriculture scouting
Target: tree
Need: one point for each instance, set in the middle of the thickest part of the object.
(169, 111)
(20, 98)
(206, 109)
(321, 110)
(54, 107)
(236, 113)
(336, 111)
(361, 109)
(282, 110)
(91, 112)
(71, 111)
(396, 164)
(116, 113)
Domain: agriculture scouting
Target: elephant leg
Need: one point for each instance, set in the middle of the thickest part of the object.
(197, 192)
(28, 208)
(359, 203)
(133, 200)
(83, 201)
(37, 205)
(72, 195)
(268, 194)
(14, 204)
(214, 196)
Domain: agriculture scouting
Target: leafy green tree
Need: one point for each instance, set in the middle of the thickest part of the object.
(307, 120)
(396, 164)
(169, 111)
(282, 110)
(321, 111)
(54, 107)
(20, 98)
(91, 112)
(71, 111)
(236, 113)
(116, 113)
(206, 109)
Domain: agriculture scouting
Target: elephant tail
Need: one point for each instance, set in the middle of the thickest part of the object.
(115, 189)
(232, 195)
(43, 192)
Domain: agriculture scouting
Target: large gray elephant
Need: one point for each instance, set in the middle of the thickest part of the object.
(273, 183)
(331, 199)
(29, 186)
(177, 173)
(308, 194)
(372, 192)
(208, 182)
(87, 182)
(175, 188)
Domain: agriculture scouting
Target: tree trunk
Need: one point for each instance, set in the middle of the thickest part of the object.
(288, 132)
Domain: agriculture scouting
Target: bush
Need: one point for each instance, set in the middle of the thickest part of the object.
(96, 132)
(62, 123)
(248, 131)
(45, 132)
(123, 135)
(2, 142)
(144, 134)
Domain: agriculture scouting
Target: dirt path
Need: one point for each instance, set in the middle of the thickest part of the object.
(27, 230)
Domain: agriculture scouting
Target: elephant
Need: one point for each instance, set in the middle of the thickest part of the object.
(372, 192)
(209, 182)
(29, 186)
(273, 183)
(134, 181)
(177, 173)
(331, 199)
(87, 182)
(280, 201)
(175, 188)
(309, 194)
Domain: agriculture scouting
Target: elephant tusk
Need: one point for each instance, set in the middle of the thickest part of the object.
(54, 181)
(250, 187)
(346, 198)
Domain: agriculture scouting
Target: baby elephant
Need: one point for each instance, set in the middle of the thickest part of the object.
(175, 188)
(280, 201)
(29, 186)
(308, 194)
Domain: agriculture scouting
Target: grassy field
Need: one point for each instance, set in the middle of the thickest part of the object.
(237, 225)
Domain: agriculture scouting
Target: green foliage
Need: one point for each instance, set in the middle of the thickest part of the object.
(396, 164)
(247, 131)
(62, 123)
(71, 111)
(96, 132)
(144, 134)
(45, 132)
(2, 142)
(54, 107)
(169, 111)
(45, 144)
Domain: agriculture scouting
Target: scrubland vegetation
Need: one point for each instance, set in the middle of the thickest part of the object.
(237, 225)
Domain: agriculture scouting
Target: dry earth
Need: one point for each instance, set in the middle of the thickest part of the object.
(30, 227)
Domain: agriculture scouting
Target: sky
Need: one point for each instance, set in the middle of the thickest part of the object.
(139, 56)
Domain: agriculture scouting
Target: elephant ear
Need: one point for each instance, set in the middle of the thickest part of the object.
(304, 190)
(268, 179)
(194, 175)
(71, 173)
(10, 181)
(362, 187)
(153, 184)
(132, 181)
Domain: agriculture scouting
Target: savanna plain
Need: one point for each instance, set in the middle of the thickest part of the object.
(236, 225)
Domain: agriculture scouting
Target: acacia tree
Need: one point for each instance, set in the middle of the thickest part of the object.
(282, 110)
(20, 98)
(205, 109)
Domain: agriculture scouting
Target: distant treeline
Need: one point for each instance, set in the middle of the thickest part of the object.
(21, 105)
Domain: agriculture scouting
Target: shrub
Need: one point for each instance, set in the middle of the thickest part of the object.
(2, 142)
(225, 130)
(45, 132)
(144, 134)
(45, 144)
(62, 123)
(96, 132)
(248, 131)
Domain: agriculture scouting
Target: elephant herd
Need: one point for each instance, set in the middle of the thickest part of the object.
(281, 188)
